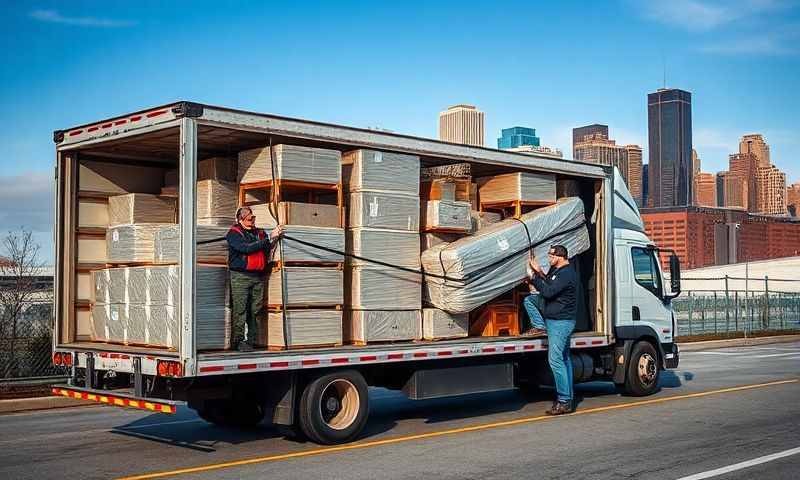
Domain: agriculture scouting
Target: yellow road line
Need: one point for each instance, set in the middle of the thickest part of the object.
(473, 428)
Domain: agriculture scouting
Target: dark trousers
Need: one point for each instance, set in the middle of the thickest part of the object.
(247, 295)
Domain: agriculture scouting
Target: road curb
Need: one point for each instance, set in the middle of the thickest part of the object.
(16, 405)
(736, 342)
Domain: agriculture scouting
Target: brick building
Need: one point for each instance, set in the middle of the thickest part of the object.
(771, 190)
(793, 198)
(704, 236)
(705, 189)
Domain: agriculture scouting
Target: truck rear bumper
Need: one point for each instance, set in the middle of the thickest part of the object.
(116, 399)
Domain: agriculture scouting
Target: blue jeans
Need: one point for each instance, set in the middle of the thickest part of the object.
(559, 335)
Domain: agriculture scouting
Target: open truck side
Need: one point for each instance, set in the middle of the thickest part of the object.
(627, 339)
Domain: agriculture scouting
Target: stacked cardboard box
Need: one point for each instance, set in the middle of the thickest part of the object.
(524, 187)
(290, 162)
(438, 324)
(383, 223)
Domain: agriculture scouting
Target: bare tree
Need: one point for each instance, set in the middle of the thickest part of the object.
(20, 268)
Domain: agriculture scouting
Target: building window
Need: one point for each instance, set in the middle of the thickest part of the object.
(645, 270)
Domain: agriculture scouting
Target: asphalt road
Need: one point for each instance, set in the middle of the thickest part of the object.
(720, 409)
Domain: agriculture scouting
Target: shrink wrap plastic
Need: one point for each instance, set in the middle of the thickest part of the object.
(141, 305)
(141, 208)
(376, 288)
(382, 325)
(384, 210)
(167, 245)
(292, 162)
(481, 220)
(494, 259)
(446, 214)
(391, 246)
(306, 286)
(383, 171)
(438, 324)
(304, 328)
(288, 250)
(216, 199)
(132, 243)
(431, 239)
(525, 186)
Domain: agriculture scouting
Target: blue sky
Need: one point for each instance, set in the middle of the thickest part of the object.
(547, 65)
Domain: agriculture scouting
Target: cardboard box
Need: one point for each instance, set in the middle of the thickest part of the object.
(520, 186)
(364, 326)
(141, 208)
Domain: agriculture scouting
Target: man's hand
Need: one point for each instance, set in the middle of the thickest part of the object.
(535, 267)
(275, 233)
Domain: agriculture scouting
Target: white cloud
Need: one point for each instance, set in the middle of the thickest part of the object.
(53, 16)
(709, 138)
(705, 15)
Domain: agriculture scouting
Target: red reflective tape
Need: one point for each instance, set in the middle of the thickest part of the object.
(120, 122)
(136, 118)
(463, 352)
(528, 347)
(489, 349)
(395, 356)
(340, 360)
(247, 366)
(665, 330)
(510, 348)
(215, 368)
(103, 354)
(368, 358)
(580, 343)
(106, 125)
(278, 364)
(443, 354)
(310, 362)
(155, 114)
(420, 354)
(597, 342)
(93, 129)
(75, 132)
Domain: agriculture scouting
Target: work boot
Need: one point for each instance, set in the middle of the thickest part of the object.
(534, 332)
(244, 347)
(561, 408)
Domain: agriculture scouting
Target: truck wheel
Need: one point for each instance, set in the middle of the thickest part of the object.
(334, 407)
(231, 413)
(641, 377)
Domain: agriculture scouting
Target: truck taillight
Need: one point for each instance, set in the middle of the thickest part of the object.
(62, 359)
(167, 368)
(57, 359)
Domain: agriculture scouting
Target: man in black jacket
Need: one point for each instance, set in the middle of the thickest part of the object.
(248, 257)
(555, 318)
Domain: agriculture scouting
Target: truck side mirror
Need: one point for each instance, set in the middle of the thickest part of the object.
(674, 274)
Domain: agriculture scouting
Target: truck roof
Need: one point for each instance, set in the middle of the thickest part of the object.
(166, 115)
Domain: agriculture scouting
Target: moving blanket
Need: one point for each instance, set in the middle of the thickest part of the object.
(493, 260)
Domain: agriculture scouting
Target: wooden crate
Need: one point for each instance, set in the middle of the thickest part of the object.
(312, 193)
(496, 319)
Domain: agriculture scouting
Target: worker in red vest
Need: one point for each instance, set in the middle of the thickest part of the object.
(248, 257)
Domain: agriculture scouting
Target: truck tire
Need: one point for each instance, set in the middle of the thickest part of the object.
(334, 407)
(232, 413)
(642, 374)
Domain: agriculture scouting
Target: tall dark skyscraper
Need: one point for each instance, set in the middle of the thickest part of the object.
(669, 125)
(645, 185)
(579, 133)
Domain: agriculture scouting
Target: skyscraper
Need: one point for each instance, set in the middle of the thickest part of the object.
(754, 143)
(720, 178)
(705, 189)
(669, 125)
(734, 191)
(646, 186)
(578, 134)
(461, 124)
(771, 190)
(598, 148)
(634, 174)
(516, 137)
(743, 166)
(695, 162)
(793, 198)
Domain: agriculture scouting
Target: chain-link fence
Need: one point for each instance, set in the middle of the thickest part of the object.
(714, 312)
(26, 341)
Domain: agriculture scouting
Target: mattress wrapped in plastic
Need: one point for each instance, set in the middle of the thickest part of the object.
(167, 244)
(141, 208)
(364, 326)
(306, 286)
(292, 162)
(523, 186)
(378, 288)
(438, 324)
(391, 246)
(446, 215)
(132, 243)
(493, 260)
(374, 170)
(288, 250)
(303, 328)
(216, 199)
(384, 210)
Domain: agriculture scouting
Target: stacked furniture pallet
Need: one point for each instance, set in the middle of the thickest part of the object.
(304, 291)
(382, 302)
(517, 192)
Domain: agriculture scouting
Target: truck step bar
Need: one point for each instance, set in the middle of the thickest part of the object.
(116, 399)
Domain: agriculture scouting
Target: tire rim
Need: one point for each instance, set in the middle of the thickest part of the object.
(647, 369)
(339, 404)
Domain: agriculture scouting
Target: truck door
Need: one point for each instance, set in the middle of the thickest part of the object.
(647, 293)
